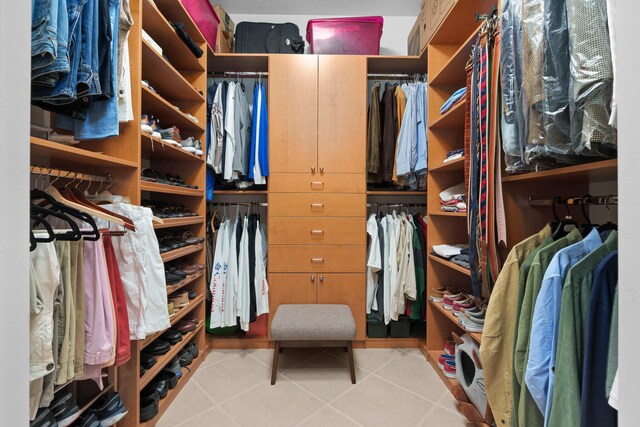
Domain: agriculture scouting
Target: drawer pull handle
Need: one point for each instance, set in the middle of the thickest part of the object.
(317, 185)
(317, 232)
(317, 206)
(317, 260)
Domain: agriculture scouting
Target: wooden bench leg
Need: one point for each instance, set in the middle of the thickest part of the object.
(351, 364)
(274, 368)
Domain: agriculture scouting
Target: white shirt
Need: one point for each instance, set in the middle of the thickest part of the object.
(374, 263)
(229, 128)
(262, 287)
(243, 303)
(217, 284)
(231, 285)
(214, 156)
(394, 235)
(386, 297)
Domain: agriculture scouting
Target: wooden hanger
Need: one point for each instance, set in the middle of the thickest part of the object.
(55, 193)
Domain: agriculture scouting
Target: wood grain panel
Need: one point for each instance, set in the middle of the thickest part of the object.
(345, 289)
(317, 231)
(317, 205)
(317, 183)
(317, 258)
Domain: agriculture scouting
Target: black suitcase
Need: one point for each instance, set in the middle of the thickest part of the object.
(262, 37)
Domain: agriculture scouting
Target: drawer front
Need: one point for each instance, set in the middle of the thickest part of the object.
(317, 258)
(317, 205)
(317, 231)
(317, 183)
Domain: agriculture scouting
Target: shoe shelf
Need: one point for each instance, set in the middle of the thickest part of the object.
(181, 252)
(179, 222)
(174, 11)
(452, 166)
(157, 106)
(155, 187)
(449, 214)
(187, 373)
(451, 119)
(412, 342)
(239, 192)
(477, 336)
(156, 149)
(165, 78)
(434, 355)
(449, 264)
(185, 282)
(54, 154)
(180, 314)
(164, 359)
(161, 31)
(604, 170)
(223, 62)
(108, 388)
(453, 71)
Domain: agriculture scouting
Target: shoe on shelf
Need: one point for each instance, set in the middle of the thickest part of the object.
(172, 337)
(169, 377)
(192, 118)
(88, 420)
(189, 145)
(161, 388)
(187, 267)
(108, 409)
(437, 294)
(148, 86)
(185, 326)
(180, 300)
(472, 325)
(64, 408)
(171, 279)
(148, 410)
(171, 309)
(145, 123)
(199, 151)
(152, 176)
(174, 367)
(185, 357)
(176, 272)
(142, 371)
(192, 295)
(443, 358)
(190, 238)
(147, 360)
(171, 136)
(192, 348)
(158, 348)
(44, 418)
(449, 368)
(149, 394)
(459, 307)
(448, 301)
(450, 347)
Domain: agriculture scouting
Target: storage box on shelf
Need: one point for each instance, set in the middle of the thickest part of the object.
(454, 31)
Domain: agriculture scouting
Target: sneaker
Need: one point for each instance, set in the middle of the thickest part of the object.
(148, 86)
(459, 307)
(88, 420)
(150, 125)
(44, 418)
(437, 294)
(171, 136)
(449, 368)
(108, 410)
(189, 145)
(180, 300)
(448, 301)
(190, 117)
(450, 347)
(472, 325)
(199, 151)
(443, 358)
(64, 409)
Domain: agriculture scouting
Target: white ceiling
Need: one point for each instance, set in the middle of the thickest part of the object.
(323, 7)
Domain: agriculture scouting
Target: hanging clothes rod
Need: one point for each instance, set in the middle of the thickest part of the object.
(62, 174)
(586, 200)
(238, 74)
(401, 75)
(395, 205)
(238, 204)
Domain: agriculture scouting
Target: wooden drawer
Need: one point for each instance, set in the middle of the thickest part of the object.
(317, 205)
(317, 231)
(317, 258)
(317, 183)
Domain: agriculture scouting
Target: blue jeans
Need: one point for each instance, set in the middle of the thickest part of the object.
(49, 39)
(64, 89)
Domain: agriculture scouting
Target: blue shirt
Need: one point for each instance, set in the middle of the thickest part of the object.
(421, 105)
(453, 100)
(539, 375)
(406, 158)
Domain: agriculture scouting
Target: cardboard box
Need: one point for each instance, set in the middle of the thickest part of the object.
(413, 41)
(225, 19)
(226, 31)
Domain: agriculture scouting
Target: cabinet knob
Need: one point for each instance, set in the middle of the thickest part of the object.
(322, 278)
(317, 206)
(321, 169)
(313, 169)
(313, 279)
(317, 260)
(317, 232)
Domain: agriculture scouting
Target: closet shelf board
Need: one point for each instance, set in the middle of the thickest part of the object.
(155, 187)
(477, 336)
(238, 192)
(453, 71)
(460, 22)
(93, 400)
(392, 342)
(55, 154)
(396, 193)
(454, 165)
(166, 402)
(175, 319)
(248, 62)
(434, 355)
(450, 265)
(174, 11)
(604, 170)
(178, 253)
(236, 342)
(155, 149)
(166, 358)
(449, 214)
(186, 281)
(161, 31)
(179, 222)
(388, 64)
(164, 77)
(155, 105)
(454, 118)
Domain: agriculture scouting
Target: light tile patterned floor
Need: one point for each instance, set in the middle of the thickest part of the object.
(394, 387)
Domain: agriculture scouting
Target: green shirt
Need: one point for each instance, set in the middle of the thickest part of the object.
(612, 359)
(574, 313)
(528, 413)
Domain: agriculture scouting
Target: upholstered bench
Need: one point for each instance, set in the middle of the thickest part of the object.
(313, 325)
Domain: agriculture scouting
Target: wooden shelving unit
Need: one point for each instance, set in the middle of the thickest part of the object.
(181, 284)
(240, 192)
(604, 170)
(448, 52)
(179, 222)
(394, 193)
(155, 187)
(182, 252)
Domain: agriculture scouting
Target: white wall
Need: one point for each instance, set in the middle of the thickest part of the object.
(395, 31)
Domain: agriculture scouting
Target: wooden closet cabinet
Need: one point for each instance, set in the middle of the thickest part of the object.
(321, 288)
(317, 182)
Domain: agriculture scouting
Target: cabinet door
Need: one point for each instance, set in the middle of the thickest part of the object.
(293, 113)
(342, 108)
(345, 289)
(291, 289)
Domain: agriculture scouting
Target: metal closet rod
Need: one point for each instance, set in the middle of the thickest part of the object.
(239, 73)
(585, 200)
(62, 174)
(238, 204)
(395, 205)
(397, 75)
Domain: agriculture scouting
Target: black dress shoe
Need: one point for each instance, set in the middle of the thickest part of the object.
(44, 418)
(192, 348)
(147, 360)
(171, 337)
(148, 395)
(142, 371)
(185, 358)
(169, 377)
(172, 279)
(148, 412)
(174, 367)
(158, 347)
(160, 387)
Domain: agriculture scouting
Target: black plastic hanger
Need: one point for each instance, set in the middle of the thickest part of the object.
(609, 226)
(566, 225)
(73, 235)
(91, 235)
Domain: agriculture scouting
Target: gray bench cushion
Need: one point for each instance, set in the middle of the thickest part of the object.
(313, 322)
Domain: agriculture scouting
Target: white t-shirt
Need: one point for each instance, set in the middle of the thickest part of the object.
(217, 279)
(374, 263)
(262, 286)
(386, 297)
(244, 287)
(231, 285)
(229, 128)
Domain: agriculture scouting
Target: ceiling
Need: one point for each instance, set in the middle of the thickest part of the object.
(323, 7)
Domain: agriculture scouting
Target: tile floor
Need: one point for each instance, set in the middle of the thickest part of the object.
(394, 387)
